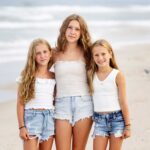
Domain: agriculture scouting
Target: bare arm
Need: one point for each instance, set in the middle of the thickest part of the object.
(120, 80)
(20, 115)
(20, 112)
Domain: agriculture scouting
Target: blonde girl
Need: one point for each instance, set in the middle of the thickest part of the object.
(107, 85)
(35, 98)
(73, 105)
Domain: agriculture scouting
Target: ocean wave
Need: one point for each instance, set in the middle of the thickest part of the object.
(130, 43)
(30, 24)
(14, 43)
(9, 47)
(12, 59)
(47, 13)
(13, 52)
(67, 8)
(56, 24)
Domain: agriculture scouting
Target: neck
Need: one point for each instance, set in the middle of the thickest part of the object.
(72, 47)
(41, 71)
(104, 69)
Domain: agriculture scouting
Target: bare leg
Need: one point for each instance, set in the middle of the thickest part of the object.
(100, 143)
(63, 134)
(46, 145)
(115, 143)
(31, 144)
(81, 132)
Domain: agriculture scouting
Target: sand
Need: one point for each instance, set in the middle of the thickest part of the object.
(135, 64)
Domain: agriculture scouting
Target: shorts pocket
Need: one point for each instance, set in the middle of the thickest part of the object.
(29, 117)
(119, 118)
(97, 119)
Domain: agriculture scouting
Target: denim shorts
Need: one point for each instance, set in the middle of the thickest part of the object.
(39, 123)
(73, 108)
(107, 124)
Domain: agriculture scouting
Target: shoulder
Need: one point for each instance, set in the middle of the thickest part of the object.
(55, 54)
(51, 75)
(120, 77)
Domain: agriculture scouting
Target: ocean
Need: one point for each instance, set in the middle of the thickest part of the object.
(120, 22)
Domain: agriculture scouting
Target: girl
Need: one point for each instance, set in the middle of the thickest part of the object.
(35, 98)
(73, 105)
(107, 85)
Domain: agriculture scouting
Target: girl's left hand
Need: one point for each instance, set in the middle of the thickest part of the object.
(126, 133)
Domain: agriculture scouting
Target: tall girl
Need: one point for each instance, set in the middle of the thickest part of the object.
(73, 106)
(107, 85)
(35, 98)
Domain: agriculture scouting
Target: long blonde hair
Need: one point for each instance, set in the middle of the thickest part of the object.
(27, 85)
(93, 67)
(84, 41)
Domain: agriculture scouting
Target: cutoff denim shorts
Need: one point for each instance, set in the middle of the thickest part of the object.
(39, 123)
(73, 108)
(107, 124)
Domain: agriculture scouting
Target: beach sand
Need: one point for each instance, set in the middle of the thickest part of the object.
(135, 64)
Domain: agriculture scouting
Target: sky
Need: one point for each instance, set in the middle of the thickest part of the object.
(73, 2)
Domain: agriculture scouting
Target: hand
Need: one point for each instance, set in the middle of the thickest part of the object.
(24, 134)
(126, 133)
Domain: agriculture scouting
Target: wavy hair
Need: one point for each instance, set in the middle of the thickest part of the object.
(93, 67)
(84, 41)
(27, 84)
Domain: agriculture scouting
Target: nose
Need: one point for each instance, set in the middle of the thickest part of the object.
(42, 55)
(72, 31)
(100, 57)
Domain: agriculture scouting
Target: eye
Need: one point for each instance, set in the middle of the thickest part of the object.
(37, 53)
(103, 54)
(77, 29)
(96, 55)
(70, 27)
(45, 51)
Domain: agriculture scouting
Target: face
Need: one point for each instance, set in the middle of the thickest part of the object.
(101, 56)
(73, 31)
(42, 55)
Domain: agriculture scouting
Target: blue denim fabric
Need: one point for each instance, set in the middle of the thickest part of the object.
(107, 124)
(39, 123)
(73, 108)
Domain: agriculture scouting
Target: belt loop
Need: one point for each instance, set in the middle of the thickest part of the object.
(45, 112)
(49, 111)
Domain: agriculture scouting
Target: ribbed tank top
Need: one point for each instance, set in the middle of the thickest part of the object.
(105, 96)
(71, 79)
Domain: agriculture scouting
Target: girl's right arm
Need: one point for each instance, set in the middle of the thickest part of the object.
(20, 114)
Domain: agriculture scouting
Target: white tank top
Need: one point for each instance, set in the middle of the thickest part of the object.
(44, 94)
(71, 79)
(105, 96)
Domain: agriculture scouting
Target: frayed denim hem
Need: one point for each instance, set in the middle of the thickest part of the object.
(64, 117)
(46, 139)
(117, 133)
(82, 118)
(99, 134)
